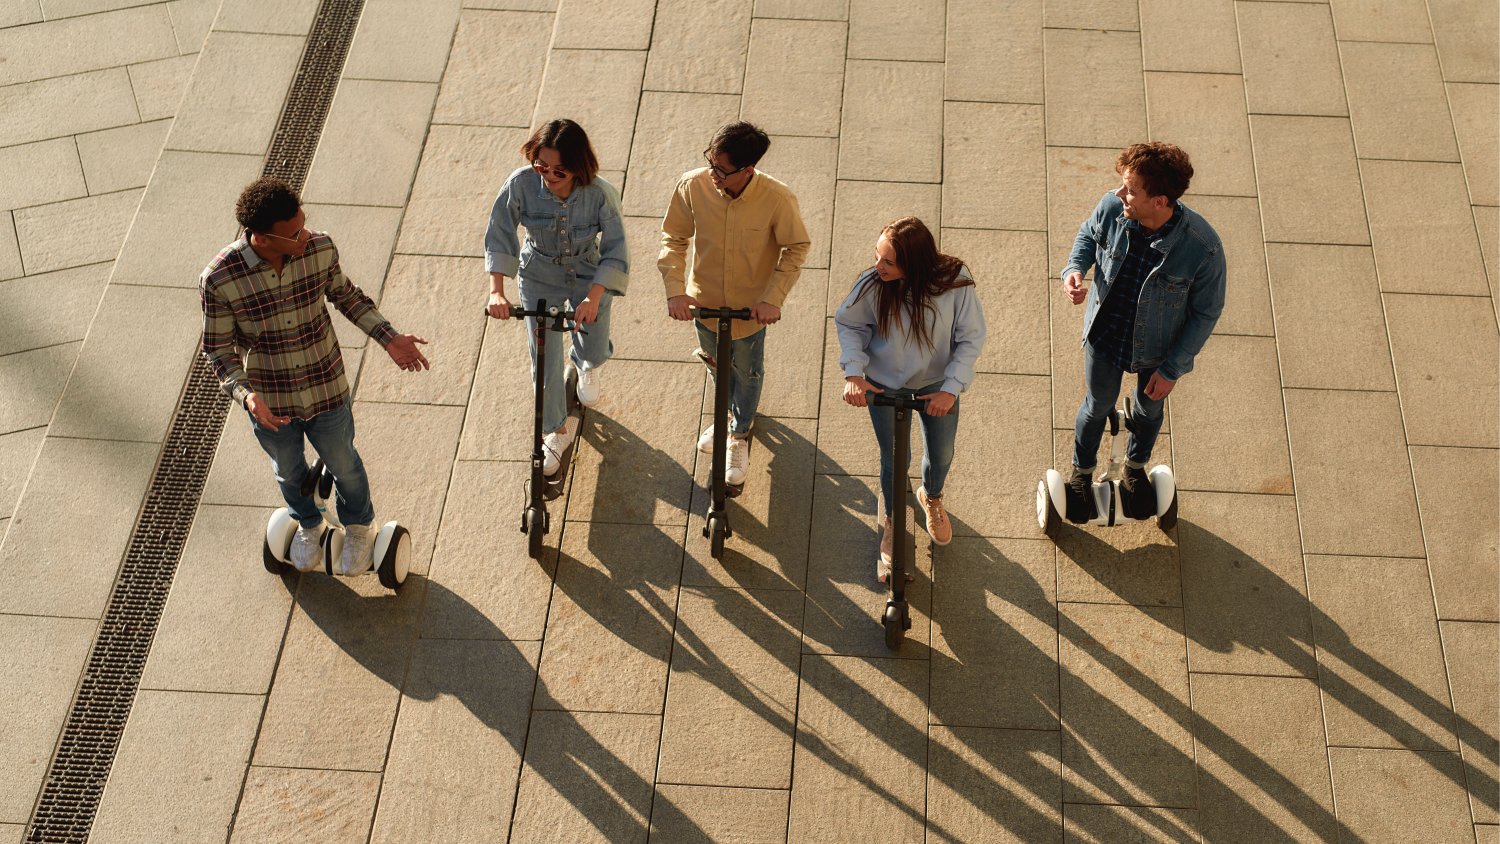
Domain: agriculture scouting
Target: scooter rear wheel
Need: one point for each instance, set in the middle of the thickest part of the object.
(894, 631)
(715, 537)
(534, 529)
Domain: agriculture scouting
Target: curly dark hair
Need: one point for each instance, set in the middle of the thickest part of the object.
(264, 203)
(1164, 169)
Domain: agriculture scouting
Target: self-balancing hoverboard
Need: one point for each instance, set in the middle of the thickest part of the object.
(392, 549)
(1106, 503)
(897, 615)
(716, 528)
(536, 522)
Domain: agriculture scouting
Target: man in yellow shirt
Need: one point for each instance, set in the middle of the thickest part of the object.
(748, 244)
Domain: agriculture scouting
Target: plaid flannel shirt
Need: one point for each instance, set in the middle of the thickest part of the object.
(1113, 333)
(271, 335)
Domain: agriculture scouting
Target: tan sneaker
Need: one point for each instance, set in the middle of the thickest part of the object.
(938, 526)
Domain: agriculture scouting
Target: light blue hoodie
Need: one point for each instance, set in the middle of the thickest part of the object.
(957, 328)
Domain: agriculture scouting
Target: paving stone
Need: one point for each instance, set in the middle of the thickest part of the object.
(830, 10)
(1434, 252)
(1204, 114)
(1093, 88)
(1126, 736)
(477, 90)
(498, 424)
(66, 105)
(1487, 222)
(363, 164)
(1245, 607)
(1092, 14)
(47, 309)
(897, 31)
(793, 76)
(993, 785)
(31, 383)
(994, 167)
(699, 813)
(15, 13)
(1376, 516)
(1377, 20)
(220, 584)
(10, 250)
(158, 86)
(177, 773)
(349, 640)
(807, 166)
(680, 127)
(366, 237)
(587, 777)
(769, 547)
(1263, 767)
(864, 208)
(698, 46)
(732, 697)
(513, 5)
(1015, 405)
(1347, 353)
(861, 747)
(1127, 824)
(1291, 59)
(1462, 29)
(400, 41)
(13, 833)
(483, 584)
(170, 241)
(1190, 35)
(791, 386)
(456, 752)
(1234, 404)
(844, 600)
(405, 473)
(39, 173)
(1472, 651)
(192, 20)
(116, 159)
(139, 411)
(1446, 399)
(450, 200)
(1309, 181)
(609, 630)
(1456, 493)
(1379, 654)
(639, 324)
(1396, 102)
(432, 298)
(598, 89)
(994, 52)
(214, 116)
(578, 25)
(32, 51)
(39, 672)
(18, 451)
(892, 122)
(281, 17)
(1077, 178)
(622, 477)
(1247, 300)
(1010, 271)
(1476, 113)
(281, 804)
(75, 232)
(1400, 795)
(995, 636)
(241, 473)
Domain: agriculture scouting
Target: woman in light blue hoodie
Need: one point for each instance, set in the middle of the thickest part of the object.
(912, 326)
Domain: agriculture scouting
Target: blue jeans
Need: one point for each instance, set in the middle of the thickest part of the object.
(938, 434)
(745, 375)
(1103, 377)
(590, 349)
(332, 436)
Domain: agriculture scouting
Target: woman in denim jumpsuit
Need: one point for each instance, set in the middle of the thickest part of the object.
(574, 252)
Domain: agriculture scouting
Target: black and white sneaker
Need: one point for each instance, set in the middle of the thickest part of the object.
(1078, 497)
(1137, 496)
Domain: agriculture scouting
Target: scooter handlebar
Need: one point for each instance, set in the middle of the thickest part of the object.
(522, 313)
(897, 401)
(721, 313)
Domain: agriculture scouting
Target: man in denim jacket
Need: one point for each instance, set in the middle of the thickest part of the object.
(1157, 294)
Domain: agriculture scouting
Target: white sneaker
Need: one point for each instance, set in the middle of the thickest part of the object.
(588, 386)
(555, 443)
(706, 440)
(739, 461)
(307, 548)
(358, 540)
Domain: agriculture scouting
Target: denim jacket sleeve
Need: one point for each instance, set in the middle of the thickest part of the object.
(1205, 303)
(614, 253)
(968, 340)
(855, 322)
(1086, 244)
(502, 249)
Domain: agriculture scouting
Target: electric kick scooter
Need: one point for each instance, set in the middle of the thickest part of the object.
(716, 528)
(1108, 508)
(391, 552)
(897, 616)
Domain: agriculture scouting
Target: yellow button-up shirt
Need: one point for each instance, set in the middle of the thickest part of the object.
(746, 249)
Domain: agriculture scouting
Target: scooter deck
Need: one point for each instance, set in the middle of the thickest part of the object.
(553, 487)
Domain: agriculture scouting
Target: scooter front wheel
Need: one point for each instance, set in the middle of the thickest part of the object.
(535, 526)
(894, 629)
(715, 530)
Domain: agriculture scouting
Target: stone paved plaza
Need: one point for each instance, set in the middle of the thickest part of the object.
(1313, 654)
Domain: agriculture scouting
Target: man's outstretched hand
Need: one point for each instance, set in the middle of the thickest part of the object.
(403, 350)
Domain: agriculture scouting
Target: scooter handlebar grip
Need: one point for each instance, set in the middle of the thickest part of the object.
(721, 313)
(897, 401)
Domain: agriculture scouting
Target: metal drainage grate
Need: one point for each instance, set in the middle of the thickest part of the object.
(80, 768)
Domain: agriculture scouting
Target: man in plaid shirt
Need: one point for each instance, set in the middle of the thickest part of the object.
(270, 341)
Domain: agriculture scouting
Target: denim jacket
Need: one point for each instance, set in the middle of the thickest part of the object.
(567, 240)
(1183, 294)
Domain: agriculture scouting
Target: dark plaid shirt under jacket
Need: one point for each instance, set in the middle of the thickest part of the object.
(270, 334)
(1113, 332)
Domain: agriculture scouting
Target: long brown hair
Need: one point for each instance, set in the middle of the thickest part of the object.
(928, 273)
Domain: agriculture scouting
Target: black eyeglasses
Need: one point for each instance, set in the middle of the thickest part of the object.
(720, 171)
